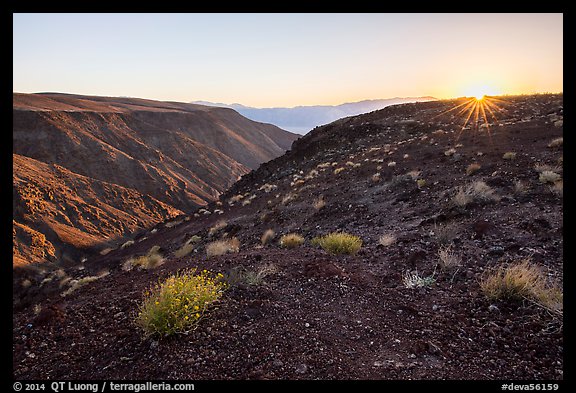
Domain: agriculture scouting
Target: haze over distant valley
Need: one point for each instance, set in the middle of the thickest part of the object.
(301, 119)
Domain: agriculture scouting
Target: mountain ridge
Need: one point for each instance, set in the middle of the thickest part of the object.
(303, 118)
(181, 155)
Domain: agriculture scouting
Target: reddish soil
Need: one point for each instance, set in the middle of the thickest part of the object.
(337, 317)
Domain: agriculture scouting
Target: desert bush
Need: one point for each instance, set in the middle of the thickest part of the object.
(291, 240)
(392, 164)
(448, 259)
(556, 142)
(235, 198)
(557, 188)
(288, 198)
(520, 187)
(268, 187)
(106, 250)
(216, 227)
(420, 183)
(252, 277)
(375, 177)
(477, 191)
(178, 303)
(149, 261)
(127, 244)
(472, 168)
(522, 280)
(173, 223)
(545, 167)
(387, 240)
(446, 233)
(267, 236)
(509, 155)
(187, 247)
(319, 203)
(80, 282)
(450, 152)
(339, 243)
(549, 177)
(221, 247)
(415, 280)
(414, 174)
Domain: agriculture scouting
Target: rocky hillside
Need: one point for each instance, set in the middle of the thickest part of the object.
(440, 201)
(87, 169)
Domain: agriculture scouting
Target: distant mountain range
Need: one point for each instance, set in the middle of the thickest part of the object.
(301, 119)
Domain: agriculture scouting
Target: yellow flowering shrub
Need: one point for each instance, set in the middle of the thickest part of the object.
(177, 304)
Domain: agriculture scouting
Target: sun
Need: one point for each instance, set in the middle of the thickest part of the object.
(480, 91)
(477, 110)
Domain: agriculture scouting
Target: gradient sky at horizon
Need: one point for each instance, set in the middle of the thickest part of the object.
(268, 60)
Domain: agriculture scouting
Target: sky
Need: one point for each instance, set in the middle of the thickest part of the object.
(286, 60)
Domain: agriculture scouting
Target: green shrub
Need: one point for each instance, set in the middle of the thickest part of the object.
(291, 240)
(339, 243)
(177, 304)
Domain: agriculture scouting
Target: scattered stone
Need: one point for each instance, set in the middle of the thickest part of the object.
(301, 369)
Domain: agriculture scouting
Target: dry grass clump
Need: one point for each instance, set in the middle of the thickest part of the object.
(106, 250)
(338, 170)
(221, 247)
(556, 142)
(78, 283)
(251, 277)
(520, 187)
(387, 239)
(151, 260)
(291, 240)
(448, 259)
(473, 168)
(288, 198)
(337, 243)
(123, 246)
(177, 304)
(257, 277)
(268, 187)
(319, 202)
(218, 226)
(549, 177)
(375, 177)
(522, 280)
(267, 236)
(450, 152)
(478, 191)
(445, 234)
(509, 155)
(545, 167)
(187, 247)
(557, 188)
(173, 223)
